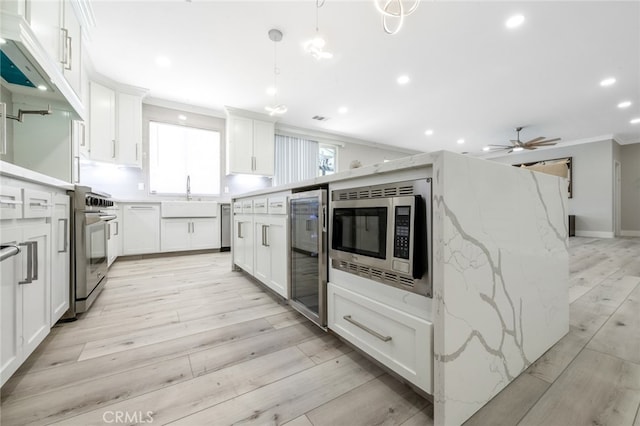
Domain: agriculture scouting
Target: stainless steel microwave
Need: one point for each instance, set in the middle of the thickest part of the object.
(383, 232)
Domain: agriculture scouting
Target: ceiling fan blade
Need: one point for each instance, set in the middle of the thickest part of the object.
(549, 140)
(529, 147)
(543, 143)
(515, 142)
(539, 138)
(501, 146)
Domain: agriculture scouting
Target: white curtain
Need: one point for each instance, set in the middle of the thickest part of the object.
(296, 159)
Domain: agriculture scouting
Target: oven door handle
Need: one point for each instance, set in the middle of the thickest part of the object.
(108, 217)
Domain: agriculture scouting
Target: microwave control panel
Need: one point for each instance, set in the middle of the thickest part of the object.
(402, 228)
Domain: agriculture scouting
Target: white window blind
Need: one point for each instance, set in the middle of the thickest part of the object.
(176, 152)
(296, 159)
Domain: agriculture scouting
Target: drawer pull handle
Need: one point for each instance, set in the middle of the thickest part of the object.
(11, 202)
(367, 329)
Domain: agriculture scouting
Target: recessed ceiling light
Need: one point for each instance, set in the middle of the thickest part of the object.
(403, 79)
(182, 117)
(271, 91)
(42, 87)
(343, 110)
(635, 120)
(607, 81)
(460, 141)
(625, 104)
(428, 132)
(3, 41)
(514, 21)
(163, 62)
(486, 148)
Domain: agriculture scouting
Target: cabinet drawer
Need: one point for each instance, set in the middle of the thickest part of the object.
(237, 207)
(10, 202)
(36, 204)
(277, 205)
(398, 340)
(260, 205)
(247, 206)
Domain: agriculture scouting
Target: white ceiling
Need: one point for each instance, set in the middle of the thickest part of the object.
(471, 77)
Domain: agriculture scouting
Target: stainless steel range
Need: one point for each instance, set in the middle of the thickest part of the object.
(89, 251)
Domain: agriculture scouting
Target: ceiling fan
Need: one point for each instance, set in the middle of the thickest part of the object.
(518, 145)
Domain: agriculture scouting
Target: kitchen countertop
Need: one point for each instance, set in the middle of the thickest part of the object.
(405, 163)
(13, 171)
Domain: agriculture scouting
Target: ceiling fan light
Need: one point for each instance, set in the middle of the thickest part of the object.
(486, 148)
(276, 109)
(518, 148)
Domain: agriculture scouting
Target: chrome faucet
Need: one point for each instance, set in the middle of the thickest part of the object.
(188, 188)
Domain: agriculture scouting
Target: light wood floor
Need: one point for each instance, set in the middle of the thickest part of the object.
(183, 340)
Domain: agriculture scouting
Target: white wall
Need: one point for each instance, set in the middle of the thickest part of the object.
(630, 164)
(592, 171)
(365, 154)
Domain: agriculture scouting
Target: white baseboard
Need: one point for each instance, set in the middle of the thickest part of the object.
(594, 234)
(630, 233)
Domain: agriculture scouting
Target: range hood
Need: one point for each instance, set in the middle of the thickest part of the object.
(27, 69)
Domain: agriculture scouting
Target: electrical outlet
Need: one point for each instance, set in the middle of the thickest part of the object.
(141, 186)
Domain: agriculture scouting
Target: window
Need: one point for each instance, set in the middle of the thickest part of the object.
(176, 152)
(327, 160)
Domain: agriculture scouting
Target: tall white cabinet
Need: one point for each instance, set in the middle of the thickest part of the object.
(250, 146)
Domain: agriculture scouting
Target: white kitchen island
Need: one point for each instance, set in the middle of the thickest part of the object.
(500, 279)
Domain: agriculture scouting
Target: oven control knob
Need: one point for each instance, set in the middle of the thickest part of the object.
(88, 201)
(95, 201)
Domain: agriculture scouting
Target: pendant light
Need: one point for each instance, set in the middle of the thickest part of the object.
(394, 9)
(275, 36)
(315, 46)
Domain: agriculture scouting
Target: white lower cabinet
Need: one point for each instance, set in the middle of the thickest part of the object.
(25, 294)
(243, 242)
(198, 233)
(271, 260)
(60, 259)
(395, 338)
(114, 243)
(141, 226)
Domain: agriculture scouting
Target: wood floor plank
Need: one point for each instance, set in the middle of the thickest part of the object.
(291, 397)
(46, 356)
(19, 387)
(422, 418)
(286, 319)
(300, 421)
(92, 394)
(620, 336)
(381, 401)
(207, 390)
(596, 389)
(324, 348)
(511, 404)
(146, 337)
(204, 362)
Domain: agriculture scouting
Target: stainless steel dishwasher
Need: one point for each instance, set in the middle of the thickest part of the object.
(225, 227)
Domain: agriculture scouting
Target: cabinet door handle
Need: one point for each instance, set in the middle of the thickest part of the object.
(11, 202)
(240, 230)
(3, 128)
(367, 329)
(136, 152)
(64, 234)
(324, 218)
(32, 261)
(117, 228)
(70, 57)
(83, 140)
(193, 227)
(113, 147)
(266, 235)
(141, 207)
(108, 231)
(65, 40)
(77, 179)
(253, 163)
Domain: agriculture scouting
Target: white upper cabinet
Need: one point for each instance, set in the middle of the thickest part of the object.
(71, 49)
(45, 18)
(102, 123)
(115, 126)
(129, 129)
(250, 145)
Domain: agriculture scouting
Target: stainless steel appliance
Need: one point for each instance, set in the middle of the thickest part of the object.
(89, 251)
(225, 227)
(308, 262)
(383, 233)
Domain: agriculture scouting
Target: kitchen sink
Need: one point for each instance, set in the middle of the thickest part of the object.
(189, 208)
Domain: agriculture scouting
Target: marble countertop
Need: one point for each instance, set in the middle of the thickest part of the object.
(405, 163)
(13, 171)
